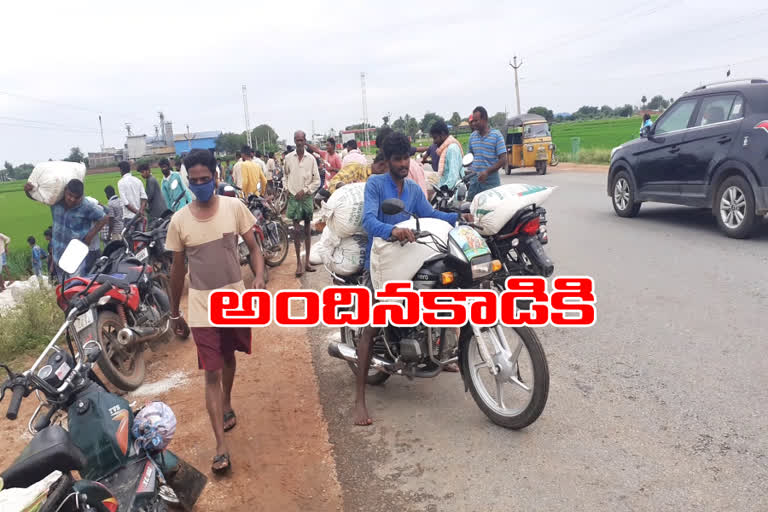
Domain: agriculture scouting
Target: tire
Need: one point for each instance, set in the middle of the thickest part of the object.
(541, 167)
(623, 196)
(540, 393)
(57, 493)
(374, 379)
(276, 258)
(735, 199)
(125, 380)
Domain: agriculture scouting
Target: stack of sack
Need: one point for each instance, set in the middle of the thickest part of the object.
(342, 244)
(493, 208)
(49, 179)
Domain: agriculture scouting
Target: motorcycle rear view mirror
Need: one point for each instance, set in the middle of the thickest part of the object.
(73, 256)
(392, 206)
(467, 160)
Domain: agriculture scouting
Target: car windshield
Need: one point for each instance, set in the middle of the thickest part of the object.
(537, 130)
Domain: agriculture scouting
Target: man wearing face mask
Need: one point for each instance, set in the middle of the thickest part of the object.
(206, 232)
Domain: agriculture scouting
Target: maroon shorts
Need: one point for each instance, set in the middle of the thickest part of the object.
(215, 345)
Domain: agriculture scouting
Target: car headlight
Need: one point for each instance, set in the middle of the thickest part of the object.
(529, 148)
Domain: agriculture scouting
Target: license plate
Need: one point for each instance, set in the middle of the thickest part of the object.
(143, 255)
(83, 320)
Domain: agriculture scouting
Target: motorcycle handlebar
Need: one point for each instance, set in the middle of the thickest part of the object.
(13, 407)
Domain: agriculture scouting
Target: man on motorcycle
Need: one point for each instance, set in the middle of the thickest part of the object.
(397, 149)
(206, 231)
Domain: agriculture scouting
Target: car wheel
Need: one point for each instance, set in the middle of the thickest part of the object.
(623, 196)
(734, 207)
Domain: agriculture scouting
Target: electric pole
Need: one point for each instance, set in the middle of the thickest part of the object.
(247, 121)
(365, 110)
(189, 139)
(514, 65)
(101, 130)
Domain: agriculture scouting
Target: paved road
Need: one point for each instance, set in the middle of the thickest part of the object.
(660, 406)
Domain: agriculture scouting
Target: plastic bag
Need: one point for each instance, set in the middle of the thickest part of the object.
(154, 427)
(391, 261)
(343, 212)
(493, 208)
(49, 179)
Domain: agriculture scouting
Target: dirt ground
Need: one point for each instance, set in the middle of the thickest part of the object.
(281, 457)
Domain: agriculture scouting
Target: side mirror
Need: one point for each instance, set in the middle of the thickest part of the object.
(73, 256)
(461, 192)
(468, 159)
(390, 207)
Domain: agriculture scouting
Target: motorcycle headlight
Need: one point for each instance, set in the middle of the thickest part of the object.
(529, 148)
(483, 269)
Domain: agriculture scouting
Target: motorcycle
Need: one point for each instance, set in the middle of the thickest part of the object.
(116, 472)
(122, 320)
(490, 359)
(518, 245)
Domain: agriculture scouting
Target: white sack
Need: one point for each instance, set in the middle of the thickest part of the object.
(493, 208)
(348, 257)
(343, 212)
(322, 250)
(392, 262)
(49, 179)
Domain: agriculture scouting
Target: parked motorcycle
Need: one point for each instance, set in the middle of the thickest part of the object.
(116, 472)
(518, 245)
(509, 384)
(124, 319)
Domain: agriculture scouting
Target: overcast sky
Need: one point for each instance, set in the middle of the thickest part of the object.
(65, 62)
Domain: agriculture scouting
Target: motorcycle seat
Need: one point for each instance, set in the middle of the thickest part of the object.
(51, 449)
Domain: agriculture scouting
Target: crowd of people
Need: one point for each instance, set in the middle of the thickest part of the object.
(203, 229)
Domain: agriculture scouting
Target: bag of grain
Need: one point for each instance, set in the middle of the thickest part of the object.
(493, 208)
(348, 257)
(49, 179)
(343, 212)
(391, 261)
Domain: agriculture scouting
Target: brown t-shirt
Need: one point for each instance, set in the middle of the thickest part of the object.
(211, 247)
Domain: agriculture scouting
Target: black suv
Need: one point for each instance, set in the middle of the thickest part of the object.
(709, 149)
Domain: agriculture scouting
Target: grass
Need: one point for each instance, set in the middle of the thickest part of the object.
(30, 325)
(21, 217)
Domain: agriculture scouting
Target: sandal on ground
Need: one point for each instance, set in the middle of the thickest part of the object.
(227, 417)
(221, 459)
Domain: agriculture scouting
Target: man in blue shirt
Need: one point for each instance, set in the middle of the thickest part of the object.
(490, 153)
(379, 187)
(74, 217)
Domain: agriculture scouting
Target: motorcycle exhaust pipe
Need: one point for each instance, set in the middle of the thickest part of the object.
(347, 353)
(128, 336)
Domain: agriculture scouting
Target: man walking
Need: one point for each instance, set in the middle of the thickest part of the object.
(132, 193)
(302, 178)
(490, 154)
(252, 176)
(175, 193)
(4, 241)
(155, 200)
(206, 232)
(115, 211)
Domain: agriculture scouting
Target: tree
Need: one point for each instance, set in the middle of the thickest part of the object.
(671, 100)
(411, 126)
(498, 119)
(455, 120)
(385, 120)
(644, 100)
(230, 143)
(399, 125)
(8, 166)
(606, 111)
(543, 112)
(264, 138)
(428, 120)
(75, 155)
(625, 111)
(658, 102)
(586, 112)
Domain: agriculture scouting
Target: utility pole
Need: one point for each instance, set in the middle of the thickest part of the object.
(247, 121)
(189, 139)
(365, 110)
(128, 128)
(101, 130)
(514, 65)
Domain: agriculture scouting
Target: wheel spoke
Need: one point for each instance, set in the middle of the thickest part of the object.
(516, 353)
(740, 202)
(517, 382)
(739, 216)
(500, 394)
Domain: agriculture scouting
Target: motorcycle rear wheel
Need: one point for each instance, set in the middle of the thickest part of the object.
(278, 254)
(127, 379)
(495, 408)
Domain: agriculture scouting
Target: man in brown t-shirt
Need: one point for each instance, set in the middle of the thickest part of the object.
(206, 232)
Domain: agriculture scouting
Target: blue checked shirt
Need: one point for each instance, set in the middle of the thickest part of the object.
(72, 224)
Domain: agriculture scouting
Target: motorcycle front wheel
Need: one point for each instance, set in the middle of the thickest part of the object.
(123, 367)
(515, 397)
(276, 254)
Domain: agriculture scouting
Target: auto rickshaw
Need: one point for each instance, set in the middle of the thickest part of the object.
(529, 143)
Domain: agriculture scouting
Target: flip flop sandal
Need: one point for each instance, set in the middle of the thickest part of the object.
(224, 457)
(230, 416)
